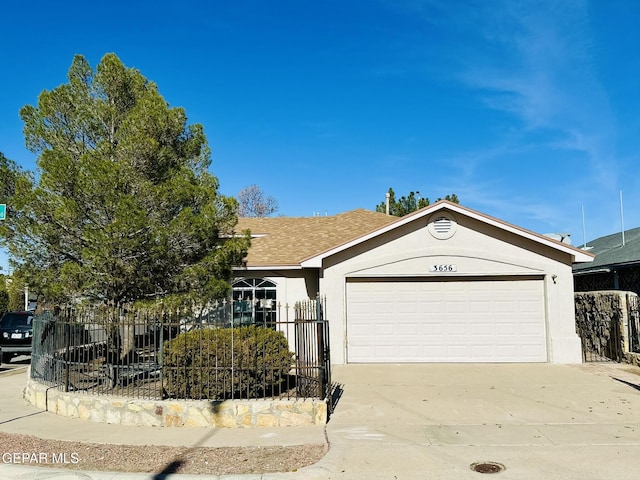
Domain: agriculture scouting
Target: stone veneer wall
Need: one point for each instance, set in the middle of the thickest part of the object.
(174, 413)
(598, 314)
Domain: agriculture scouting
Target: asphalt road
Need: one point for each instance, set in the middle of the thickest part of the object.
(21, 361)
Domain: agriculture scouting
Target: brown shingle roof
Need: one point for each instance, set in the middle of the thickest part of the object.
(287, 241)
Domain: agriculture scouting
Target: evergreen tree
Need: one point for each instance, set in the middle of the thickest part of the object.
(412, 202)
(124, 206)
(4, 295)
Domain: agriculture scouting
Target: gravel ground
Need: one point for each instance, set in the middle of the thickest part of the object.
(158, 459)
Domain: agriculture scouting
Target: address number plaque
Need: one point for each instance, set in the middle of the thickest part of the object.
(444, 268)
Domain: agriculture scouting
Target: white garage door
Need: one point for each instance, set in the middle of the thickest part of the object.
(473, 320)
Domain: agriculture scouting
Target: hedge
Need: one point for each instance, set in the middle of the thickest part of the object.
(223, 363)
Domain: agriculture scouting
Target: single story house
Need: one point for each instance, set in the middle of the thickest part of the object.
(616, 265)
(443, 284)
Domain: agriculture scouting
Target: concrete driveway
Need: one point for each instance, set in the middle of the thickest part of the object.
(542, 422)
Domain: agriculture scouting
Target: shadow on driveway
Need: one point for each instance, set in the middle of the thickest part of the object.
(632, 385)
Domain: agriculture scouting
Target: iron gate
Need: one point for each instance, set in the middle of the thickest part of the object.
(312, 349)
(634, 323)
(610, 332)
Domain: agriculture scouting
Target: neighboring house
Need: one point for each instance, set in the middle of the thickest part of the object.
(444, 284)
(616, 265)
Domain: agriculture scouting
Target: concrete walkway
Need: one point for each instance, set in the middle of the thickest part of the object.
(411, 422)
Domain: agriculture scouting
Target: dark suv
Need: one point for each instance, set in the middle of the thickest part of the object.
(16, 332)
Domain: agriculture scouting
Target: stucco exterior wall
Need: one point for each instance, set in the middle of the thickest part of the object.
(477, 249)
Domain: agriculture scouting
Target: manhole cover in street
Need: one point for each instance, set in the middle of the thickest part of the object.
(487, 467)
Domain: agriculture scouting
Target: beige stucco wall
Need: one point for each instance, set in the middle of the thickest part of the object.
(477, 249)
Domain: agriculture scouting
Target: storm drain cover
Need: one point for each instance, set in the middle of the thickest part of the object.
(487, 467)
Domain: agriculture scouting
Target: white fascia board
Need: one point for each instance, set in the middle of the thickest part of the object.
(577, 254)
(590, 271)
(267, 267)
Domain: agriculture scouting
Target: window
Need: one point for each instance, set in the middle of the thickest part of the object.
(254, 302)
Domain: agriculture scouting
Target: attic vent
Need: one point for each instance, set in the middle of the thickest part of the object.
(442, 226)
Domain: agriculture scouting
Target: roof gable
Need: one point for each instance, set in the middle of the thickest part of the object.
(576, 254)
(303, 242)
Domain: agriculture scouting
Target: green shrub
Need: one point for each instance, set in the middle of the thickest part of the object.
(221, 363)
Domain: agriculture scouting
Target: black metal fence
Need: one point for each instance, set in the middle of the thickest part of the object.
(633, 306)
(215, 352)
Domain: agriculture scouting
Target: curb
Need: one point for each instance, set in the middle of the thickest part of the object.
(14, 371)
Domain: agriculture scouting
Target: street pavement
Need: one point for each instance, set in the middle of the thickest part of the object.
(411, 422)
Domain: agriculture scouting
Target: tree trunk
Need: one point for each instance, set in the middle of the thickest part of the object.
(128, 332)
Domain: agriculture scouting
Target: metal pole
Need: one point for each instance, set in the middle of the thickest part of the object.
(622, 217)
(320, 346)
(67, 333)
(584, 230)
(160, 349)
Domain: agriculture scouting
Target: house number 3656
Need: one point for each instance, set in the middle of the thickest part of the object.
(444, 268)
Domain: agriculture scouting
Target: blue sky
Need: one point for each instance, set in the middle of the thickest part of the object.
(527, 110)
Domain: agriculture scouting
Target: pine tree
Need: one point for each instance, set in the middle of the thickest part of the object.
(124, 206)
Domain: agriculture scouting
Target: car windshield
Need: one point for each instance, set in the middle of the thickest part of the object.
(14, 320)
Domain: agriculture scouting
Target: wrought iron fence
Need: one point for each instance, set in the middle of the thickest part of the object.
(634, 323)
(215, 352)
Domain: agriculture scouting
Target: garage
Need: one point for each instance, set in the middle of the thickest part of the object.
(490, 319)
(443, 284)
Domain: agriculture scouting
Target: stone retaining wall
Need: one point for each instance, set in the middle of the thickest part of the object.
(607, 324)
(173, 413)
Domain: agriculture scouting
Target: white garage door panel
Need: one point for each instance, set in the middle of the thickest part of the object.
(453, 321)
